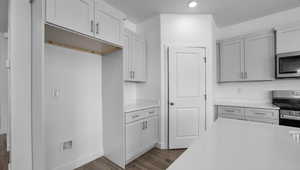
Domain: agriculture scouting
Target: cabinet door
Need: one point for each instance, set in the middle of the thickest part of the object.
(259, 57)
(139, 60)
(107, 27)
(77, 15)
(150, 133)
(288, 40)
(231, 60)
(127, 54)
(133, 139)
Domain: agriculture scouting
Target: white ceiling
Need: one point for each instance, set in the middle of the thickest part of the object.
(226, 12)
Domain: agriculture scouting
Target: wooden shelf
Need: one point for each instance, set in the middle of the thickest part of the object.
(59, 36)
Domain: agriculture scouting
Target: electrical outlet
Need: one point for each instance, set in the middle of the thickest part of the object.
(67, 145)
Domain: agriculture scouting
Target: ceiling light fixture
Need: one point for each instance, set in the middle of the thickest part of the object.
(192, 4)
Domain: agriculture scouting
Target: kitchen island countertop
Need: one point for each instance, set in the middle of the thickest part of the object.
(241, 145)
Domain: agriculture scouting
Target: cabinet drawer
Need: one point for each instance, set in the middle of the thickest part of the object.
(134, 116)
(141, 114)
(231, 112)
(151, 112)
(261, 115)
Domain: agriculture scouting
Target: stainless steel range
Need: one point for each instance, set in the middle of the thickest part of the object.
(289, 103)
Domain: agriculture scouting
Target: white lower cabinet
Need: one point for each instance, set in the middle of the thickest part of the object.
(251, 114)
(150, 133)
(141, 135)
(133, 139)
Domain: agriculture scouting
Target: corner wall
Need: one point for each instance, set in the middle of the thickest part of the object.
(256, 91)
(4, 15)
(187, 30)
(73, 107)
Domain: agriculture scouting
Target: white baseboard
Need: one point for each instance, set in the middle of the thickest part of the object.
(79, 162)
(162, 145)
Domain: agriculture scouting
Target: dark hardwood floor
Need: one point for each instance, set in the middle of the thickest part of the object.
(3, 153)
(155, 159)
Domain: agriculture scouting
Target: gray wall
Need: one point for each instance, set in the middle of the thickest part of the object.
(3, 15)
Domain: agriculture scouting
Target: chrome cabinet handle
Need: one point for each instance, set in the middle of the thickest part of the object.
(229, 111)
(130, 75)
(97, 28)
(246, 75)
(92, 26)
(259, 113)
(242, 75)
(144, 125)
(135, 116)
(133, 74)
(151, 112)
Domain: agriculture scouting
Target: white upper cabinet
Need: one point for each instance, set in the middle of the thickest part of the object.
(90, 17)
(247, 58)
(134, 50)
(77, 15)
(231, 55)
(108, 23)
(288, 39)
(260, 57)
(127, 54)
(139, 60)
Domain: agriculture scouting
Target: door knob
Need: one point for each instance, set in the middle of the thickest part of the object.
(172, 104)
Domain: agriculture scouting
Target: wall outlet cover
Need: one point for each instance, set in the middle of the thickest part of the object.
(67, 145)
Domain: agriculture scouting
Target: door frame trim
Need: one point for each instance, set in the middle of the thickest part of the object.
(167, 55)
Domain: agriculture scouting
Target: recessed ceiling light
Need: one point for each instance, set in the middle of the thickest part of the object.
(192, 4)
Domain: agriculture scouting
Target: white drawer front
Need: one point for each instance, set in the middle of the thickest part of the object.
(134, 116)
(231, 112)
(141, 114)
(151, 112)
(261, 115)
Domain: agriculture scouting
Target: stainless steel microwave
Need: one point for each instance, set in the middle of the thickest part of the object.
(288, 65)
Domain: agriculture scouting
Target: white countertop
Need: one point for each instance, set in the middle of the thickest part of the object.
(140, 105)
(242, 145)
(247, 104)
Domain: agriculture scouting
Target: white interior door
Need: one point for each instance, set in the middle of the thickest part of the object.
(186, 95)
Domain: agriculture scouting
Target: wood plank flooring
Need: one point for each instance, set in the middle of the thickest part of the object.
(3, 153)
(155, 159)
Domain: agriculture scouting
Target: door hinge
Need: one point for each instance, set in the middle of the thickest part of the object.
(205, 97)
(204, 58)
